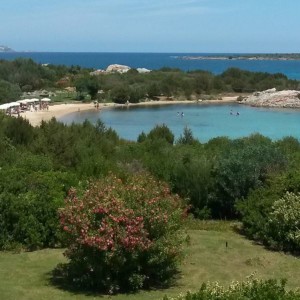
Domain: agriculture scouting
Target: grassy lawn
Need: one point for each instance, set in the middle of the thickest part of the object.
(26, 275)
(64, 96)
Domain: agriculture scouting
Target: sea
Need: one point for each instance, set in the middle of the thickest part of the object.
(206, 121)
(154, 61)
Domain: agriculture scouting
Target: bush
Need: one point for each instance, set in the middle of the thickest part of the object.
(283, 225)
(28, 208)
(252, 289)
(161, 132)
(272, 221)
(246, 166)
(122, 235)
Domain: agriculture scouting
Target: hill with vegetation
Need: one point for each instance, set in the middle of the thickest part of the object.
(6, 49)
(24, 75)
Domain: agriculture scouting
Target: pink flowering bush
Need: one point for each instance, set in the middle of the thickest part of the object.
(122, 235)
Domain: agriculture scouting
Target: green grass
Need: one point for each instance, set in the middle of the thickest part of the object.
(26, 275)
(64, 96)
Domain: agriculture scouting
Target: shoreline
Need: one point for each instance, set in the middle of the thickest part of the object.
(35, 118)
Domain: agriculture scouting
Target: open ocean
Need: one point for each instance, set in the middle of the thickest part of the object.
(153, 61)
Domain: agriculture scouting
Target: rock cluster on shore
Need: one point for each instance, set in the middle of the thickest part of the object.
(115, 68)
(273, 98)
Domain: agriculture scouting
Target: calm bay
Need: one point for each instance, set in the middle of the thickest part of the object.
(206, 121)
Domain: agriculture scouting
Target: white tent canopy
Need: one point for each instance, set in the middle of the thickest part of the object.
(30, 100)
(9, 105)
(25, 101)
(4, 106)
(12, 104)
(45, 99)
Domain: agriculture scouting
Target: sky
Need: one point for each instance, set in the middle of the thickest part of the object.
(199, 26)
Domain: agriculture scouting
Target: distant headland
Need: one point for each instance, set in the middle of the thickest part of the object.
(6, 49)
(264, 56)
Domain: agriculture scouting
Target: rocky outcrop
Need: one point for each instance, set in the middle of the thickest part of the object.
(143, 70)
(117, 68)
(97, 72)
(273, 98)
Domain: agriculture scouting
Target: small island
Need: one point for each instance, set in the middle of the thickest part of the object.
(257, 56)
(6, 49)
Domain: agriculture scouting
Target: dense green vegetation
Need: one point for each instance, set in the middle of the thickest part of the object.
(222, 178)
(245, 178)
(24, 75)
(253, 180)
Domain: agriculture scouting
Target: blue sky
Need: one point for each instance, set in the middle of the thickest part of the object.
(151, 26)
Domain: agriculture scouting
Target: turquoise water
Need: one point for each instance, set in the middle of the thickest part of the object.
(205, 120)
(290, 68)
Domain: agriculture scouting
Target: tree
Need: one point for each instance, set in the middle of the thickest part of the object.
(88, 84)
(9, 91)
(120, 94)
(81, 87)
(93, 87)
(244, 167)
(187, 137)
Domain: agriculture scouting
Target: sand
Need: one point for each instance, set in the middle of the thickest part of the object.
(58, 110)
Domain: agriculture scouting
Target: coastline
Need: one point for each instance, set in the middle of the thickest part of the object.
(35, 118)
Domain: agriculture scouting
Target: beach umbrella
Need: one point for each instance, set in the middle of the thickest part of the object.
(46, 99)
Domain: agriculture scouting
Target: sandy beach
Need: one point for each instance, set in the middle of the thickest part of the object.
(58, 110)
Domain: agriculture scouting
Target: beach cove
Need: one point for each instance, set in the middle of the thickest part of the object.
(206, 120)
(58, 111)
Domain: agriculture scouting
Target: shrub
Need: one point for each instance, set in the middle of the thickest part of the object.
(161, 132)
(187, 137)
(283, 225)
(246, 166)
(269, 220)
(252, 289)
(28, 207)
(122, 235)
